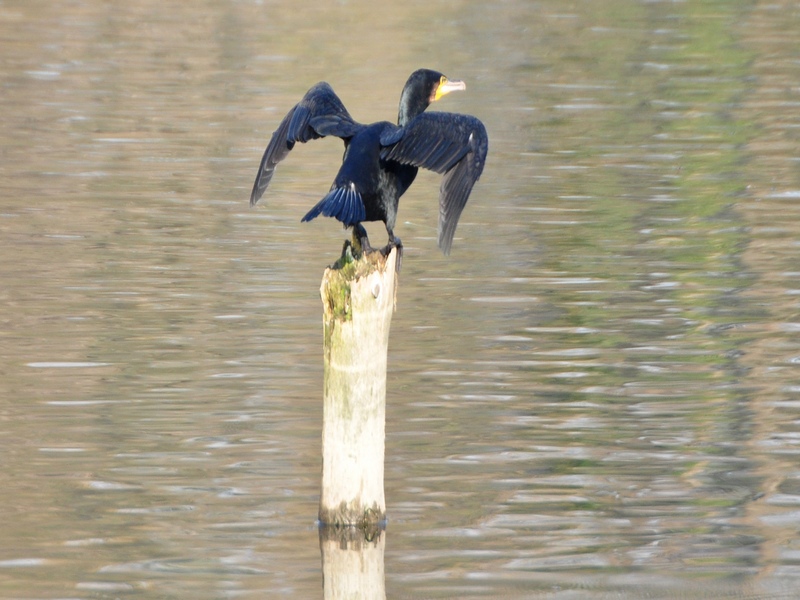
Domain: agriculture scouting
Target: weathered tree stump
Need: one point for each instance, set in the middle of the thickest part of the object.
(358, 298)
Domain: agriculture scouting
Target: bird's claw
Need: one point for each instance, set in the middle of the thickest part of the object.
(394, 242)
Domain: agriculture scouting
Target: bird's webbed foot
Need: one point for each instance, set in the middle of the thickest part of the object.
(360, 245)
(361, 240)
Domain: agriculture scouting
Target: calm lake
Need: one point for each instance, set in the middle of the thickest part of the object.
(595, 396)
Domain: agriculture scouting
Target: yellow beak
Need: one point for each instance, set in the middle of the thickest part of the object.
(446, 86)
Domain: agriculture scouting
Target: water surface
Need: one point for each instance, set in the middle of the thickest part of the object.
(596, 395)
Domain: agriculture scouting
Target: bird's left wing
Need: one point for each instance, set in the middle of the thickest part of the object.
(452, 144)
(320, 113)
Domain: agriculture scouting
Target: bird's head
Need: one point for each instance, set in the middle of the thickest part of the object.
(423, 87)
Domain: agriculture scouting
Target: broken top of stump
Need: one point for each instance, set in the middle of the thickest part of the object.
(338, 281)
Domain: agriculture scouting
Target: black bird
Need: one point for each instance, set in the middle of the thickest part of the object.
(381, 160)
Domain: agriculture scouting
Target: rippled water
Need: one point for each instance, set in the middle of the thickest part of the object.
(596, 395)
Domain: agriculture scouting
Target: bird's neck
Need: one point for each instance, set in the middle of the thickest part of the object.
(410, 106)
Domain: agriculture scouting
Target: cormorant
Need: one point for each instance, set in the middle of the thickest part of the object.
(381, 160)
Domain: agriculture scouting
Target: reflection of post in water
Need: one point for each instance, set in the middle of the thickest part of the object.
(352, 565)
(358, 296)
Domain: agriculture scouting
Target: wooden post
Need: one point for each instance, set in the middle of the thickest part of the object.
(358, 298)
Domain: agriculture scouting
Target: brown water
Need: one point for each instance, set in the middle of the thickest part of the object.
(597, 395)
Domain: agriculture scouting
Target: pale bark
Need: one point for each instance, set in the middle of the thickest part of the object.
(358, 302)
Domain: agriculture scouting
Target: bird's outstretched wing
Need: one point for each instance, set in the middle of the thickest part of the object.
(452, 144)
(320, 113)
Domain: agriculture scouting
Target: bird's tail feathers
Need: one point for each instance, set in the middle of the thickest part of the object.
(342, 203)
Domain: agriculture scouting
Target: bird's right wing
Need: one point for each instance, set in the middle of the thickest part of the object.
(320, 113)
(448, 143)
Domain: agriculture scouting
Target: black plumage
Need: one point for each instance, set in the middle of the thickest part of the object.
(381, 160)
